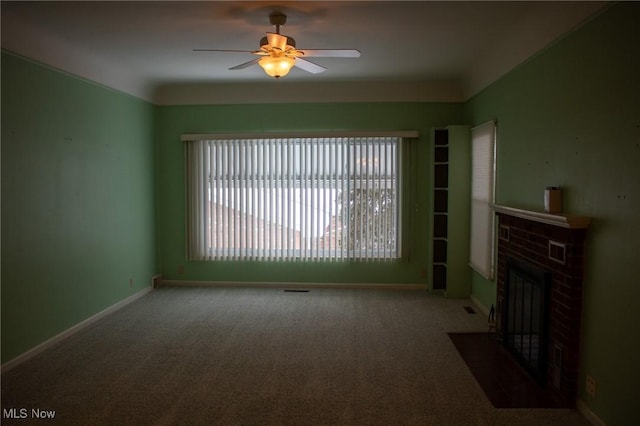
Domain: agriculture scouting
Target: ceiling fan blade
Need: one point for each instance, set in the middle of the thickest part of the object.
(276, 40)
(330, 53)
(223, 50)
(309, 66)
(246, 64)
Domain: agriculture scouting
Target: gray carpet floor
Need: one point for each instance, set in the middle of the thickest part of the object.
(261, 356)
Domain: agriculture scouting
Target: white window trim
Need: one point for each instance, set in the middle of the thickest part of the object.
(400, 135)
(405, 134)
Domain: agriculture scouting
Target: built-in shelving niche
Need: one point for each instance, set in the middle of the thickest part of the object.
(440, 208)
(451, 198)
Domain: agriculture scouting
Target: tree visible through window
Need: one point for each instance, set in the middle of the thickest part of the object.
(366, 213)
(294, 198)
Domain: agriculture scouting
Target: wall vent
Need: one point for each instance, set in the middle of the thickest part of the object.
(504, 233)
(557, 252)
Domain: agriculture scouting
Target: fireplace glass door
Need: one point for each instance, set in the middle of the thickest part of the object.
(526, 316)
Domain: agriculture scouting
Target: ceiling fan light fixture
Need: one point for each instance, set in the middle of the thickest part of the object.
(276, 66)
(279, 54)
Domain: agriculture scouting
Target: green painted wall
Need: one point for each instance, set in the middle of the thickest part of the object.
(77, 201)
(571, 117)
(173, 121)
(459, 220)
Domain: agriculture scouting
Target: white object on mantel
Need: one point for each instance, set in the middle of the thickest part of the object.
(553, 200)
(561, 220)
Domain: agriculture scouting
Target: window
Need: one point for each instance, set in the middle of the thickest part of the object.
(330, 198)
(482, 195)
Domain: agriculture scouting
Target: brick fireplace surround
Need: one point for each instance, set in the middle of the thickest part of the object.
(555, 244)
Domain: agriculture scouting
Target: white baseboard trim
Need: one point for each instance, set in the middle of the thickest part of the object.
(591, 417)
(72, 330)
(187, 283)
(479, 305)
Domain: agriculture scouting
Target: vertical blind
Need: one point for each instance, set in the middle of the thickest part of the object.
(276, 199)
(482, 194)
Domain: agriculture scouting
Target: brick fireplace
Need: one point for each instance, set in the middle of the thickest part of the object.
(539, 289)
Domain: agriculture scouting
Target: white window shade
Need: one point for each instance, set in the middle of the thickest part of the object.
(320, 198)
(482, 195)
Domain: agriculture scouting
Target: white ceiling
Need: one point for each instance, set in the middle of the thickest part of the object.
(418, 50)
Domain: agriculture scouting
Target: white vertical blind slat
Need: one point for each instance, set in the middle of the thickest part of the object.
(360, 176)
(303, 199)
(272, 202)
(254, 199)
(210, 226)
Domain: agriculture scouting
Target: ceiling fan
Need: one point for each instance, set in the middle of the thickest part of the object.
(278, 53)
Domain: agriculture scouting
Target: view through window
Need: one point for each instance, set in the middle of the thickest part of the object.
(333, 198)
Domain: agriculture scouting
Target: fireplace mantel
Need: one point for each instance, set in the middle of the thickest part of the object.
(552, 246)
(562, 220)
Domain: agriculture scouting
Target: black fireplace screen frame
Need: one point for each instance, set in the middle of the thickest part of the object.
(525, 319)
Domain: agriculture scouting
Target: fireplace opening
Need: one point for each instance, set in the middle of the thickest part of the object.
(526, 316)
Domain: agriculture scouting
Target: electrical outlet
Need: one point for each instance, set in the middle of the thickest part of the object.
(590, 386)
(181, 269)
(130, 282)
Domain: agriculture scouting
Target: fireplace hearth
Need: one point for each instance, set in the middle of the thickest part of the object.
(539, 294)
